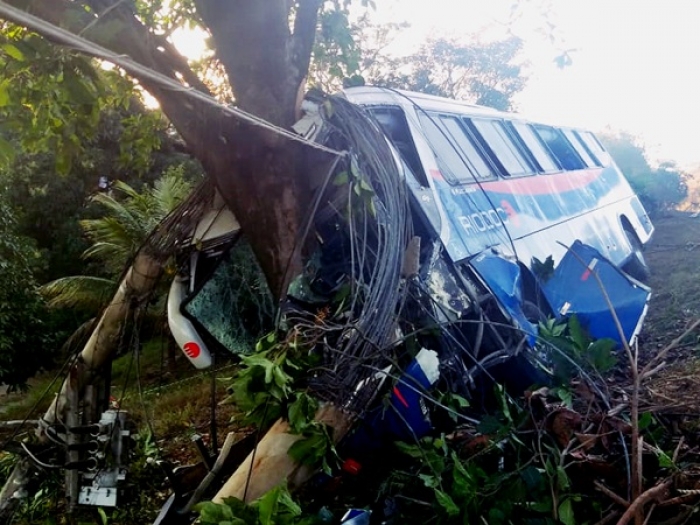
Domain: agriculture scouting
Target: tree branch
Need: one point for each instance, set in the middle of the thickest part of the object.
(304, 33)
(656, 493)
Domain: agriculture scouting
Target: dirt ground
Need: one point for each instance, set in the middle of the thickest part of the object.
(674, 258)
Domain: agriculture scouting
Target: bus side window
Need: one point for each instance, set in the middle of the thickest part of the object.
(450, 162)
(589, 160)
(394, 125)
(502, 147)
(470, 150)
(559, 147)
(534, 147)
(594, 147)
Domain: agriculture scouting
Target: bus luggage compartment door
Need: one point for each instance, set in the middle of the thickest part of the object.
(584, 282)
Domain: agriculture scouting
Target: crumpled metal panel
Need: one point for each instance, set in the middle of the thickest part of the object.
(502, 276)
(574, 289)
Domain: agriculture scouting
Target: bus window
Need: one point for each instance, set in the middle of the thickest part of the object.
(559, 147)
(394, 125)
(594, 147)
(503, 148)
(545, 161)
(449, 160)
(581, 149)
(477, 163)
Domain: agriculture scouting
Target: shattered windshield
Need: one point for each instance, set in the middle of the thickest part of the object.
(234, 305)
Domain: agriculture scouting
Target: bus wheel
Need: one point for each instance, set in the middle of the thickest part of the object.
(636, 266)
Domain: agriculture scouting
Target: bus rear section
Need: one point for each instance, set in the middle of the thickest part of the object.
(536, 218)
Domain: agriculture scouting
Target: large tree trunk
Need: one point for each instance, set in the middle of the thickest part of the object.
(262, 178)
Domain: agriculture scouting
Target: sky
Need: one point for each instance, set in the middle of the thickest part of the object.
(636, 64)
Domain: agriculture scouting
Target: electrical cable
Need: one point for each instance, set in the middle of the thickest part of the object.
(38, 402)
(37, 460)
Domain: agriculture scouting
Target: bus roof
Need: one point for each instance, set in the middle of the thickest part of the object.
(374, 95)
(371, 95)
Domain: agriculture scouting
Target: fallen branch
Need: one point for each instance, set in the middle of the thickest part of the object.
(609, 493)
(656, 494)
(679, 500)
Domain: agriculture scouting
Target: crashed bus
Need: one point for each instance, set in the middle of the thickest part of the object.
(509, 211)
(475, 226)
(522, 203)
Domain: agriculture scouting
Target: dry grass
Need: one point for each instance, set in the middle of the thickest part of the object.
(674, 258)
(172, 402)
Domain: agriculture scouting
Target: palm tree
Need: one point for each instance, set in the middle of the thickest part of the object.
(130, 216)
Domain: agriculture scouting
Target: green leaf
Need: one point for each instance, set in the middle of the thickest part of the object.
(601, 355)
(413, 451)
(447, 503)
(645, 420)
(430, 481)
(214, 513)
(341, 178)
(562, 478)
(566, 513)
(301, 413)
(79, 91)
(310, 450)
(4, 95)
(103, 515)
(13, 51)
(276, 507)
(462, 481)
(267, 506)
(565, 395)
(665, 460)
(578, 335)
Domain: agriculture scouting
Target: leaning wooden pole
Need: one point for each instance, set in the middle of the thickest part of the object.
(134, 290)
(270, 465)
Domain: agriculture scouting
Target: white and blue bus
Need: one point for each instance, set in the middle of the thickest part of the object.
(515, 220)
(532, 209)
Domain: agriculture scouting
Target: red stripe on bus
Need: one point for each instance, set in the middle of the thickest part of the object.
(554, 184)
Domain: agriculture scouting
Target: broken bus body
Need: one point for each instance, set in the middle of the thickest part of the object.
(540, 214)
(534, 218)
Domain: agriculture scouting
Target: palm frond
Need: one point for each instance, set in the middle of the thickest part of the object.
(83, 291)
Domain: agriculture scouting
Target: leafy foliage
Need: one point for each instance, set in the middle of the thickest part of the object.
(348, 54)
(659, 188)
(569, 347)
(276, 507)
(270, 385)
(482, 73)
(117, 236)
(24, 342)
